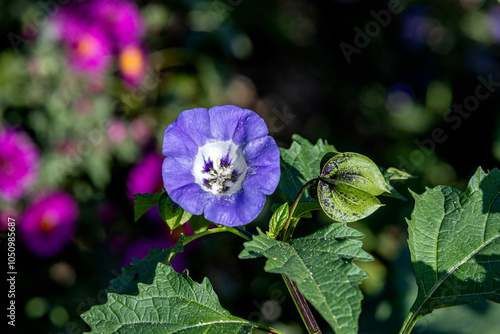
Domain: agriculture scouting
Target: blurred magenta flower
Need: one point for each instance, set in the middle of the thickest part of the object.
(145, 176)
(89, 52)
(220, 162)
(121, 19)
(19, 162)
(97, 30)
(48, 224)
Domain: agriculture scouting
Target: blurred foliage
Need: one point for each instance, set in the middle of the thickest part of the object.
(283, 60)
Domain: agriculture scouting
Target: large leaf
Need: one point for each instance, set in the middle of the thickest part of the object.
(348, 185)
(173, 303)
(143, 270)
(454, 239)
(322, 266)
(300, 164)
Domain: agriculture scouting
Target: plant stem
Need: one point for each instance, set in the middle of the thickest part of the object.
(302, 306)
(409, 322)
(298, 298)
(235, 230)
(287, 230)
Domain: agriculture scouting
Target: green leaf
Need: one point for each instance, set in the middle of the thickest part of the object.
(300, 164)
(143, 270)
(172, 213)
(173, 303)
(348, 185)
(394, 174)
(322, 266)
(199, 224)
(144, 202)
(454, 239)
(278, 220)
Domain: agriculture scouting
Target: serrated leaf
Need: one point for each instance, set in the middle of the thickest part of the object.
(172, 213)
(348, 185)
(454, 239)
(144, 202)
(143, 270)
(278, 220)
(300, 164)
(199, 224)
(322, 266)
(173, 303)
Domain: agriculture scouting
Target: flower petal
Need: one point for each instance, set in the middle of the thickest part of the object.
(263, 178)
(239, 209)
(189, 131)
(224, 120)
(240, 125)
(176, 172)
(191, 198)
(262, 152)
(250, 128)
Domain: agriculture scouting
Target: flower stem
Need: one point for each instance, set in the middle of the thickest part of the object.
(302, 306)
(298, 298)
(287, 230)
(235, 230)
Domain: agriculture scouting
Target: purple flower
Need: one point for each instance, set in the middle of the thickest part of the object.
(220, 162)
(49, 223)
(19, 162)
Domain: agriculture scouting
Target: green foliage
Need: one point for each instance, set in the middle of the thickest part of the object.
(454, 239)
(171, 212)
(143, 270)
(173, 303)
(300, 164)
(348, 185)
(322, 266)
(199, 223)
(278, 220)
(144, 202)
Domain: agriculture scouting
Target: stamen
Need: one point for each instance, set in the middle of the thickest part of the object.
(218, 178)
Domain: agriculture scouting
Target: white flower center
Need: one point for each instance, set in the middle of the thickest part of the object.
(220, 167)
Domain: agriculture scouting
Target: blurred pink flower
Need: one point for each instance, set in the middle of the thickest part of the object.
(49, 223)
(145, 176)
(19, 162)
(117, 131)
(140, 130)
